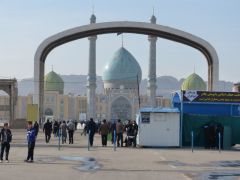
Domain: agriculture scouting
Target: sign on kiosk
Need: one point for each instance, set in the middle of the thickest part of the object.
(145, 117)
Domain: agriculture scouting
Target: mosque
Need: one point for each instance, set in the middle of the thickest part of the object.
(121, 78)
(120, 100)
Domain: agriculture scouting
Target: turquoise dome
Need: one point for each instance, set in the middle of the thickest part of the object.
(123, 66)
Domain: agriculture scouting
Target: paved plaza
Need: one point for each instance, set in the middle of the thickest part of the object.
(76, 162)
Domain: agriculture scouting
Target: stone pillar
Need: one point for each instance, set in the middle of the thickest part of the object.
(11, 109)
(151, 90)
(91, 79)
(36, 82)
(38, 96)
(41, 90)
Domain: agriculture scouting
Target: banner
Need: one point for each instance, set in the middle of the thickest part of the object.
(32, 112)
(208, 96)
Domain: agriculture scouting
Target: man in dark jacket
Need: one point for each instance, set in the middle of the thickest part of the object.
(112, 129)
(5, 139)
(47, 129)
(104, 129)
(91, 130)
(119, 131)
(36, 126)
(31, 139)
(134, 133)
(55, 128)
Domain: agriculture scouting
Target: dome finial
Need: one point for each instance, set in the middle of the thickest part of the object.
(93, 17)
(93, 9)
(52, 67)
(153, 18)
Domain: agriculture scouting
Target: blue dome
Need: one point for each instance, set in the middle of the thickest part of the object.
(123, 66)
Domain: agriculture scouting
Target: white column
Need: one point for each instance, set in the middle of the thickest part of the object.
(39, 85)
(151, 90)
(91, 80)
(215, 77)
(36, 81)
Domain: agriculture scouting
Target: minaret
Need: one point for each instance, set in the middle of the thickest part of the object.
(91, 79)
(151, 91)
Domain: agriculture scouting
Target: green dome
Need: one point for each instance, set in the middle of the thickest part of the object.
(194, 82)
(53, 82)
(123, 66)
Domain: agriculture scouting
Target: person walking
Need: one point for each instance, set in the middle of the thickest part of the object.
(55, 128)
(63, 128)
(31, 139)
(47, 129)
(104, 129)
(135, 132)
(119, 131)
(5, 139)
(71, 128)
(112, 129)
(36, 126)
(91, 131)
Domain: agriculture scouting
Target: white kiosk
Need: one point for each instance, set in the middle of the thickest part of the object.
(158, 127)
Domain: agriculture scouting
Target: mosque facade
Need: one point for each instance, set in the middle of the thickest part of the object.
(120, 100)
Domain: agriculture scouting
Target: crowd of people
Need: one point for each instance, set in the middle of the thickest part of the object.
(61, 129)
(115, 130)
(106, 129)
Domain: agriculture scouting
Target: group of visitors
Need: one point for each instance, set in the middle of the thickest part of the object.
(115, 129)
(104, 129)
(131, 129)
(59, 129)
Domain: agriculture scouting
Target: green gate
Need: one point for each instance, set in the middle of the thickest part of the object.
(196, 123)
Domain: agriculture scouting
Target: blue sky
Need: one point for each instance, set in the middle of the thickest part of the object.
(25, 24)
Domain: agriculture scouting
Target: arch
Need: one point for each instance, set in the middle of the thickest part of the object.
(121, 27)
(48, 112)
(121, 107)
(10, 87)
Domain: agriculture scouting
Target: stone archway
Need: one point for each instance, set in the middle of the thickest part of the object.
(48, 112)
(121, 27)
(121, 108)
(10, 87)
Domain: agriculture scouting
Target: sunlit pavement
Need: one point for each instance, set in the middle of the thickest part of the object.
(77, 162)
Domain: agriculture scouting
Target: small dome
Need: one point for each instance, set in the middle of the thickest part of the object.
(123, 66)
(53, 82)
(194, 82)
